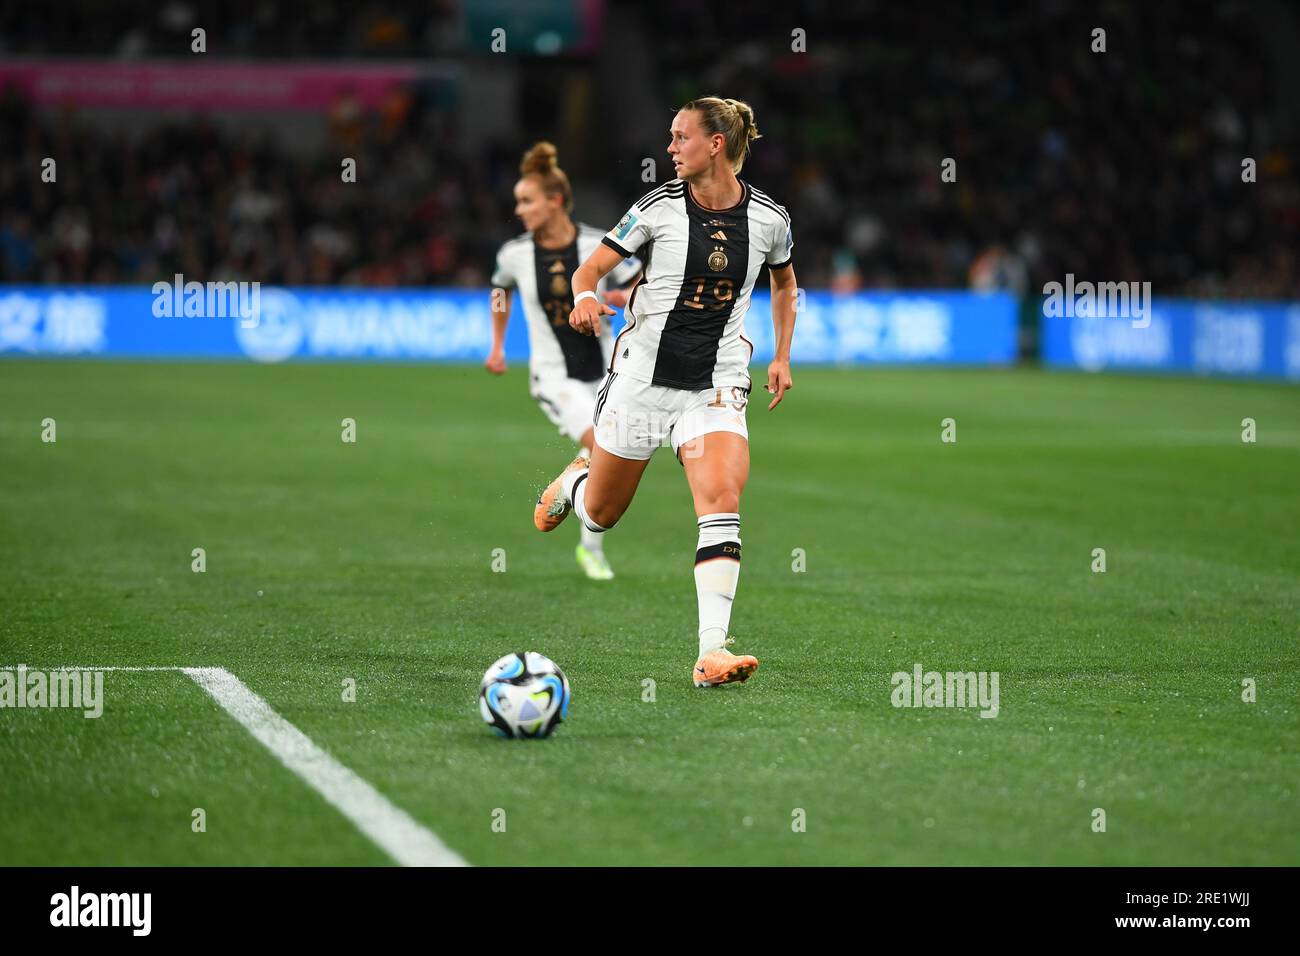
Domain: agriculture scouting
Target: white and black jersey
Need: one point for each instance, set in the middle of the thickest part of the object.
(543, 278)
(686, 320)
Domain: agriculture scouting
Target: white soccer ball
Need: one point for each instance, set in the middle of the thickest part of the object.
(524, 695)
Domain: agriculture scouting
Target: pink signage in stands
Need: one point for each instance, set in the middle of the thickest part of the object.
(226, 86)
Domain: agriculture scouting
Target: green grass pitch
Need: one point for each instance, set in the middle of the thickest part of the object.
(373, 561)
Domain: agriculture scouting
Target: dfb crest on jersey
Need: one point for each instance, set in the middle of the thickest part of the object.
(717, 259)
(559, 281)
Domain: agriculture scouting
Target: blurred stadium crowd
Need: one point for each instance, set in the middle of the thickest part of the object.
(1123, 165)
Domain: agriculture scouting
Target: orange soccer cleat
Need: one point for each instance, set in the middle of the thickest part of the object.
(723, 667)
(553, 506)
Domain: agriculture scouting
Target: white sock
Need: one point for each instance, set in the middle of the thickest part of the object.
(591, 540)
(717, 571)
(575, 486)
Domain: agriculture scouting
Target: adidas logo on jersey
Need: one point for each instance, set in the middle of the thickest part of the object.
(718, 235)
(557, 266)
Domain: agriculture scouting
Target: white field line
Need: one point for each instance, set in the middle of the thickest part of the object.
(390, 828)
(88, 667)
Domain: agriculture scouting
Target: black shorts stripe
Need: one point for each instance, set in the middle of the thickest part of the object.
(601, 396)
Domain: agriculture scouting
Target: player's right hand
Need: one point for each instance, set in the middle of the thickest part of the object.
(496, 363)
(586, 315)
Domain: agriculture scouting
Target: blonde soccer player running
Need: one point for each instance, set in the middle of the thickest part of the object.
(679, 373)
(564, 366)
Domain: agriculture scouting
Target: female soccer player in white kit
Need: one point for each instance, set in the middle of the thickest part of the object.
(565, 367)
(680, 367)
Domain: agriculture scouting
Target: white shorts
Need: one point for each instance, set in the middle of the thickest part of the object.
(633, 418)
(567, 402)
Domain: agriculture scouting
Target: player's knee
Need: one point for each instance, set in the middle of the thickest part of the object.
(604, 514)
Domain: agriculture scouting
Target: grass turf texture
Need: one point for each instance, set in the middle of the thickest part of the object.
(373, 561)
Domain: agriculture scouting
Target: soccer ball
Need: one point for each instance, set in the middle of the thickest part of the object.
(524, 695)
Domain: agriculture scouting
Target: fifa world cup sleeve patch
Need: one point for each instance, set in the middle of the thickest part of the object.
(625, 226)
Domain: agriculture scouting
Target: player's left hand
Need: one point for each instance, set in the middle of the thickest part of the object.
(778, 381)
(616, 297)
